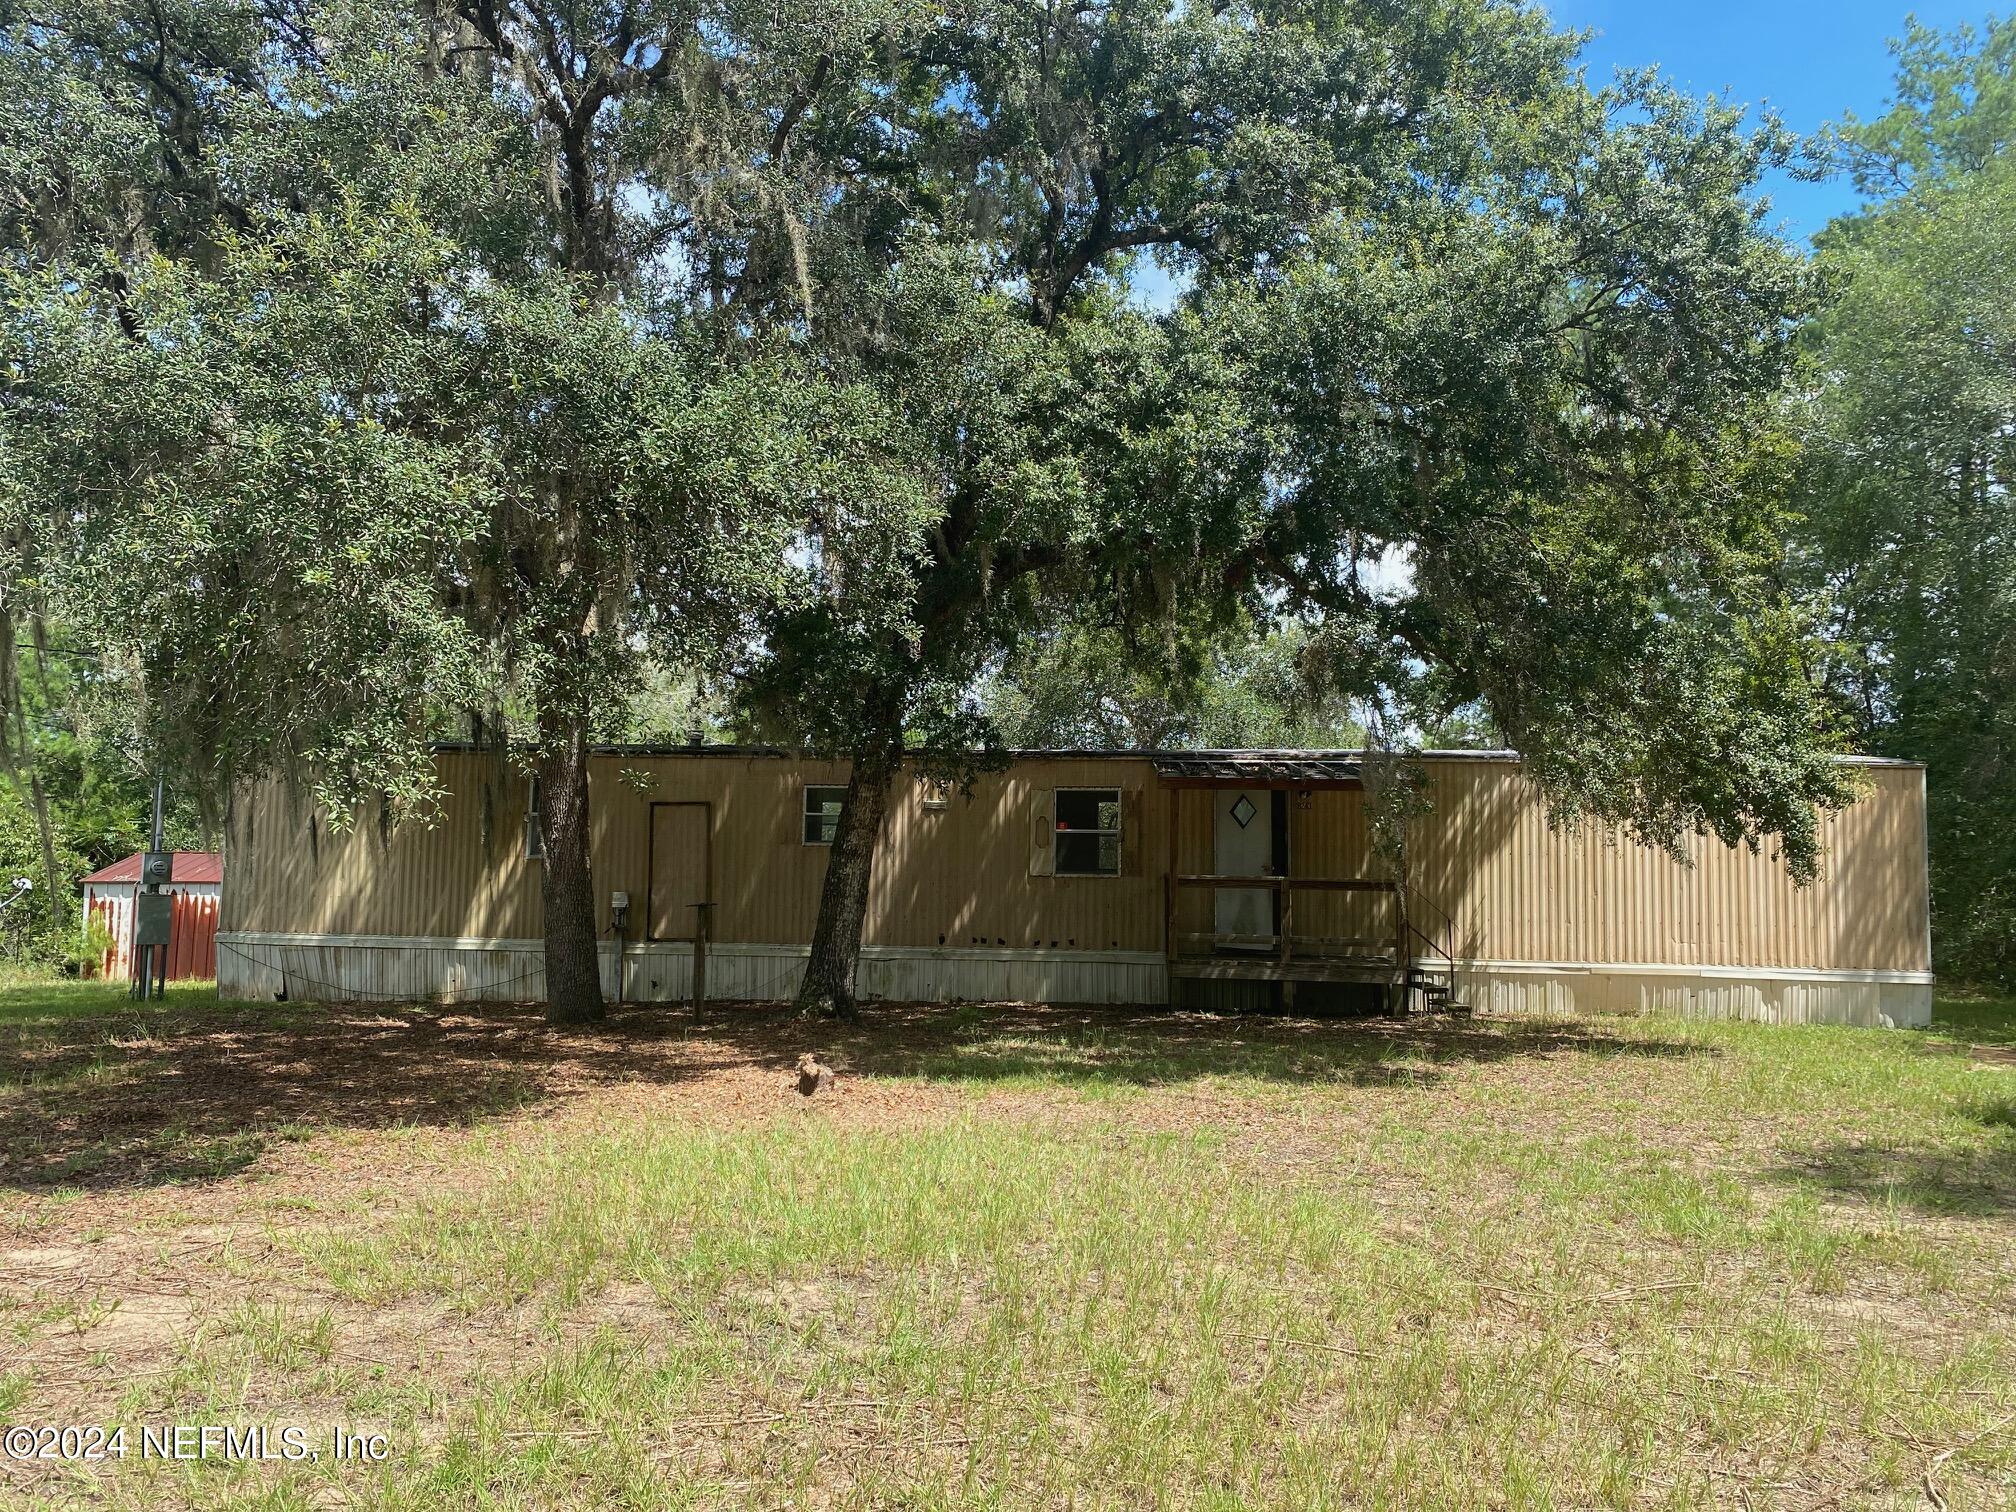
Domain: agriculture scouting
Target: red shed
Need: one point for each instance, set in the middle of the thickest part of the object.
(196, 882)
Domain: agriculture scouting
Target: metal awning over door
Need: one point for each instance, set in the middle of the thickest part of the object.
(1259, 769)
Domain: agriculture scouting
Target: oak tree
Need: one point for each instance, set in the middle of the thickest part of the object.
(1442, 304)
(358, 347)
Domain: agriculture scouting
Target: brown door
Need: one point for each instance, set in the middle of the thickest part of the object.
(679, 866)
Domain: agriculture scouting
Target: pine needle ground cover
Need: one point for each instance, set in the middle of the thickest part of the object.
(1017, 1257)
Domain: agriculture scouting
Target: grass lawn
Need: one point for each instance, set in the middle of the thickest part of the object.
(1020, 1257)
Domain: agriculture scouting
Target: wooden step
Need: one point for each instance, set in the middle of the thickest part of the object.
(1436, 994)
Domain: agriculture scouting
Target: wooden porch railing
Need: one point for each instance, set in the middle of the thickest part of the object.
(1285, 888)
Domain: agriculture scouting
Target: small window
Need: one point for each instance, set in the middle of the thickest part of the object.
(535, 842)
(1088, 832)
(822, 814)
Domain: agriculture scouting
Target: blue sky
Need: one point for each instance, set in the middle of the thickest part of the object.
(1810, 60)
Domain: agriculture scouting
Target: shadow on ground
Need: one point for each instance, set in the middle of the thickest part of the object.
(1982, 1020)
(1974, 1183)
(1091, 1047)
(147, 1097)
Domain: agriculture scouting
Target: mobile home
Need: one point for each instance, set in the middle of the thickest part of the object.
(1229, 879)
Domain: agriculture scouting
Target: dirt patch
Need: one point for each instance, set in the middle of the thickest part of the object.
(41, 1260)
(225, 1095)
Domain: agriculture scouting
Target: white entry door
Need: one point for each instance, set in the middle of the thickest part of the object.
(1243, 846)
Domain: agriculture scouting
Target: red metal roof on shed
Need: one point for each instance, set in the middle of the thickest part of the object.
(190, 866)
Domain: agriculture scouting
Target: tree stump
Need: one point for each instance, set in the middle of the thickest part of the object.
(813, 1078)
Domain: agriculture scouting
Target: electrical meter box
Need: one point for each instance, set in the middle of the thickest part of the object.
(157, 868)
(153, 916)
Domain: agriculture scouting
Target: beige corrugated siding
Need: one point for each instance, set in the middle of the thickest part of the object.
(1193, 854)
(288, 870)
(956, 876)
(1522, 891)
(1327, 838)
(961, 876)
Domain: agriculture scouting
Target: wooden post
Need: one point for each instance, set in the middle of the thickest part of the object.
(1169, 896)
(1400, 949)
(699, 957)
(1287, 916)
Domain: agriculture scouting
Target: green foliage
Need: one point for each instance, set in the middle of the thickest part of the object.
(369, 365)
(67, 768)
(1911, 455)
(375, 437)
(30, 928)
(1519, 391)
(85, 954)
(1954, 112)
(1091, 686)
(358, 378)
(992, 450)
(1448, 308)
(241, 514)
(640, 491)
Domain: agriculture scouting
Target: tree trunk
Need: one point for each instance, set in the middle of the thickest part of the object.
(52, 873)
(828, 987)
(573, 964)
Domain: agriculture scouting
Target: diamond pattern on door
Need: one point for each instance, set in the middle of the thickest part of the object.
(1243, 811)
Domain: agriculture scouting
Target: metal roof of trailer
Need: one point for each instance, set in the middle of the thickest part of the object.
(1067, 753)
(1017, 753)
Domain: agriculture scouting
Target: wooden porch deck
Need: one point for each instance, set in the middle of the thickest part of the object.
(1233, 968)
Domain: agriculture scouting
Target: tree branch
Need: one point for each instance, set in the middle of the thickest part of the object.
(795, 106)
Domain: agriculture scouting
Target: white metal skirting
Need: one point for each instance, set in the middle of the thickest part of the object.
(401, 968)
(404, 968)
(1872, 999)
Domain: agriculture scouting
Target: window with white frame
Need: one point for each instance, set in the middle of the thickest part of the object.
(822, 814)
(1088, 832)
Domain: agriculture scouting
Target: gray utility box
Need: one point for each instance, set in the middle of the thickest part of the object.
(153, 916)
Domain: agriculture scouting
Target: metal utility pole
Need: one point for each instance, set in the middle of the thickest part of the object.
(153, 910)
